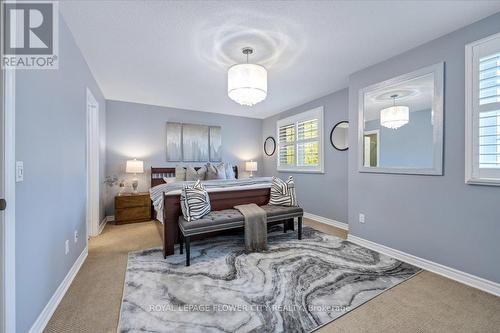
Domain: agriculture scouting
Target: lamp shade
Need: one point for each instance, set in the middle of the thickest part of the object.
(395, 116)
(251, 166)
(134, 166)
(247, 84)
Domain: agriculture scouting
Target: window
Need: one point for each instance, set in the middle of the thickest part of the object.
(300, 142)
(482, 134)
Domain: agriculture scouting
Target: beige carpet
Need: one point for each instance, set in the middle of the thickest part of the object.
(425, 303)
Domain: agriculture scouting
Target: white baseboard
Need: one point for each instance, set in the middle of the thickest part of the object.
(451, 273)
(107, 219)
(54, 301)
(321, 219)
(102, 225)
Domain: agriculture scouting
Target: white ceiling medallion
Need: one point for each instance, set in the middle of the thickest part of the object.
(247, 83)
(394, 116)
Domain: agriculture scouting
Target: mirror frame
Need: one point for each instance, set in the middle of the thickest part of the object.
(437, 107)
(274, 148)
(331, 133)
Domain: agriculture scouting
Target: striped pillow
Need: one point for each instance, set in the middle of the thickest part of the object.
(194, 202)
(283, 193)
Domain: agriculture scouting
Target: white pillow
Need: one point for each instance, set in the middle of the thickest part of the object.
(229, 171)
(193, 174)
(283, 193)
(195, 202)
(216, 171)
(180, 173)
(169, 180)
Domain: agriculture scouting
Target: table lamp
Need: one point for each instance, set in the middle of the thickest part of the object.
(251, 166)
(134, 166)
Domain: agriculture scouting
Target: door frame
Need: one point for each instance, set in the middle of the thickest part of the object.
(377, 134)
(92, 200)
(8, 226)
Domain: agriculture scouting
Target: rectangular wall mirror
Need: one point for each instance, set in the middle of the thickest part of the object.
(401, 124)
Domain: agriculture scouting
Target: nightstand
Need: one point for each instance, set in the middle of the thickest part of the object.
(132, 207)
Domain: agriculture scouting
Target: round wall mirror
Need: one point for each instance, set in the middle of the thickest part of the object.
(339, 136)
(269, 146)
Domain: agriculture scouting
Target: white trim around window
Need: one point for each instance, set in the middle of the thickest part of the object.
(479, 110)
(294, 121)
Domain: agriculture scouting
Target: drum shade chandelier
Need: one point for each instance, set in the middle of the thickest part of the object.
(247, 83)
(394, 116)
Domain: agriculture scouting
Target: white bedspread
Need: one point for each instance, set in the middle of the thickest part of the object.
(218, 185)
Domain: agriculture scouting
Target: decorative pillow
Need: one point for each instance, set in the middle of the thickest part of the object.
(169, 180)
(193, 174)
(194, 202)
(230, 171)
(180, 173)
(216, 171)
(283, 193)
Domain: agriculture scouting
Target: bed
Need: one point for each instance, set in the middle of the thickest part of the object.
(223, 195)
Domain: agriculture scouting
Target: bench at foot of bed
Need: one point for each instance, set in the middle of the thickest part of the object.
(227, 219)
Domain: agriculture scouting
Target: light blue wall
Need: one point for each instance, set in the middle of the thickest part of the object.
(320, 194)
(139, 131)
(407, 146)
(50, 203)
(438, 218)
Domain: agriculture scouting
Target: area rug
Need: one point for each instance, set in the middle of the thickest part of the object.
(295, 286)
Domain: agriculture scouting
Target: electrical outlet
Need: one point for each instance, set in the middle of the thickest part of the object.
(361, 218)
(66, 246)
(76, 236)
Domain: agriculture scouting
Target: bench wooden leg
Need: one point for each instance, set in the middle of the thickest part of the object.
(181, 242)
(300, 228)
(188, 250)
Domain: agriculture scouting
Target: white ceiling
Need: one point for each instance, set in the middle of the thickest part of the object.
(176, 54)
(417, 94)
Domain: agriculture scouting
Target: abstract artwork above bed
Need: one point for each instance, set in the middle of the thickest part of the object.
(295, 286)
(215, 144)
(193, 143)
(174, 142)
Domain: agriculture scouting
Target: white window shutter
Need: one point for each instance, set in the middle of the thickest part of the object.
(483, 111)
(300, 141)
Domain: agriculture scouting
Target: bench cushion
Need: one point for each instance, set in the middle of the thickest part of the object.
(214, 219)
(272, 210)
(231, 218)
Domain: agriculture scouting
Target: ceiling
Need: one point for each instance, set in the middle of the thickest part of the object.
(417, 94)
(176, 54)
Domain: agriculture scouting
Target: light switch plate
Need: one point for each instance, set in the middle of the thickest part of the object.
(19, 171)
(361, 218)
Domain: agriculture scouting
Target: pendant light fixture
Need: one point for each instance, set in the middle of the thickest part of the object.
(395, 116)
(247, 83)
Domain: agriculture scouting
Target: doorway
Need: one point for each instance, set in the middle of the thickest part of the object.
(371, 148)
(92, 165)
(7, 204)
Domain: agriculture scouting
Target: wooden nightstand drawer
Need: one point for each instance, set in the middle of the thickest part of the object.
(130, 201)
(132, 207)
(134, 214)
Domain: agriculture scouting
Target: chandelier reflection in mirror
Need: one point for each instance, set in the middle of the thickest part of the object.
(394, 116)
(247, 83)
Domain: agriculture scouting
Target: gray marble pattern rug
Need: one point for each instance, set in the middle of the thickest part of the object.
(294, 286)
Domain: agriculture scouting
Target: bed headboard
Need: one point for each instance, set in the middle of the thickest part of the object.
(157, 174)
